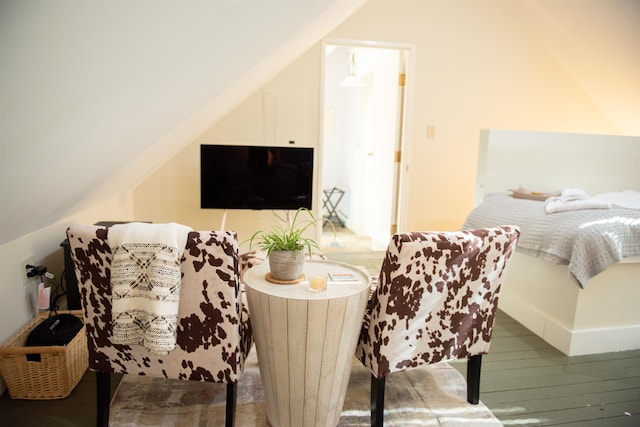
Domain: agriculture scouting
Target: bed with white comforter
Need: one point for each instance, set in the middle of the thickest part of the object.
(575, 277)
(588, 238)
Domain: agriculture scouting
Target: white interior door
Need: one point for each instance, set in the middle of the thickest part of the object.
(362, 136)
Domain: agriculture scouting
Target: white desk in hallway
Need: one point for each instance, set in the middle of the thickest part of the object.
(306, 342)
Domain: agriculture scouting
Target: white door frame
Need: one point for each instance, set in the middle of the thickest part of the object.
(399, 213)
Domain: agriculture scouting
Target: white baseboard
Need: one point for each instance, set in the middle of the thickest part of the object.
(603, 340)
(570, 342)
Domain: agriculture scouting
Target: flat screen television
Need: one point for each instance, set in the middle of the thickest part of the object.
(255, 177)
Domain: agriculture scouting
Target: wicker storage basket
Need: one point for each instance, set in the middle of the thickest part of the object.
(56, 374)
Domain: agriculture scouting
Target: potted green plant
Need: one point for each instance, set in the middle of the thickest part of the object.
(286, 245)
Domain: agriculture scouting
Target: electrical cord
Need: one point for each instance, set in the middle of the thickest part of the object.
(41, 271)
(36, 270)
(62, 293)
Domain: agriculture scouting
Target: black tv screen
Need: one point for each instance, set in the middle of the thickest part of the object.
(255, 177)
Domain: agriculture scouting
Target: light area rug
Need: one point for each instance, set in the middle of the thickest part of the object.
(427, 396)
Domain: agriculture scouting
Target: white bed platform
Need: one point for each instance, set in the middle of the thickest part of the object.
(605, 315)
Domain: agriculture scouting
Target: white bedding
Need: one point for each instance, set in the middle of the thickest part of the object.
(587, 240)
(624, 199)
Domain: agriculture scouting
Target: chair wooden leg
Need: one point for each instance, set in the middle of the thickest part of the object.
(232, 393)
(474, 365)
(103, 398)
(377, 401)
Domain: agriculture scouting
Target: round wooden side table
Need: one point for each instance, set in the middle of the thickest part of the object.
(306, 341)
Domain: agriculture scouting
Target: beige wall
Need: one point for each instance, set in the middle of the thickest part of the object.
(475, 67)
(173, 192)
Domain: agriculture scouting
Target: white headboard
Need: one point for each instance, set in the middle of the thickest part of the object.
(547, 161)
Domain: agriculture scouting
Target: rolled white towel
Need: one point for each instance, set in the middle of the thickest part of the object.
(562, 204)
(574, 194)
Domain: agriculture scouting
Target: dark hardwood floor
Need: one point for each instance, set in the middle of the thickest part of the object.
(525, 382)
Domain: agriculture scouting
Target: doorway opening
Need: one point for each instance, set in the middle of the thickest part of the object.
(362, 140)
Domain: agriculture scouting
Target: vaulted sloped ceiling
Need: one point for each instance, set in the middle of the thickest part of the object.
(95, 95)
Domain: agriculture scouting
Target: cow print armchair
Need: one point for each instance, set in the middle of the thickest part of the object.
(213, 331)
(436, 300)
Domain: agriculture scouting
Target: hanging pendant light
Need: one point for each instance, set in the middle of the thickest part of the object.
(352, 80)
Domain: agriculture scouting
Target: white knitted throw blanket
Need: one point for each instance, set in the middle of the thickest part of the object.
(145, 279)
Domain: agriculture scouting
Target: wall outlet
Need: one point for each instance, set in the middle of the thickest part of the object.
(23, 268)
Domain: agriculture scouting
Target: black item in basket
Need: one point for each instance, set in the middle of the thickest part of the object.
(59, 329)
